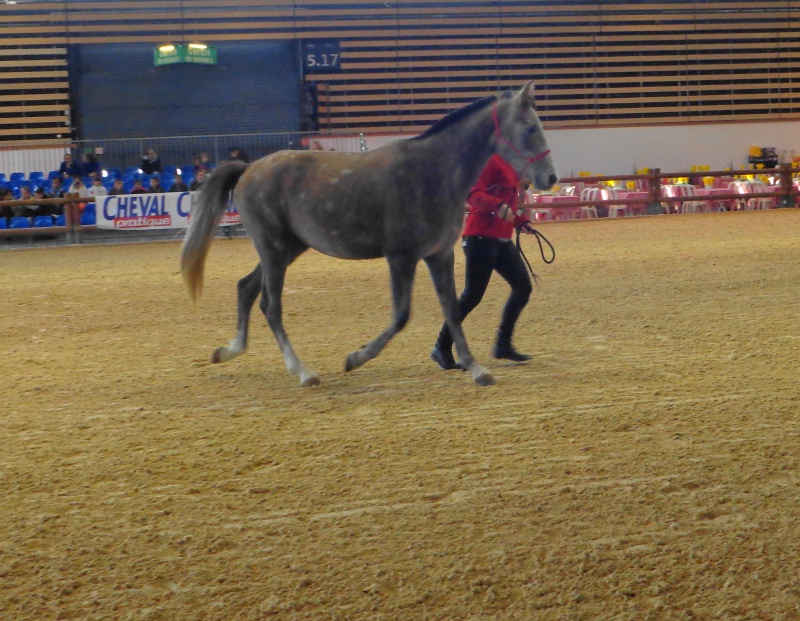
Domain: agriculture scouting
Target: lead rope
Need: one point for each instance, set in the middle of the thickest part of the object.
(539, 238)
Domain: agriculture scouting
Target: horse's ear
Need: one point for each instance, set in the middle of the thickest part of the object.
(528, 95)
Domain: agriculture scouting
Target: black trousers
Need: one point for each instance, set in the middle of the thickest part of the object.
(485, 255)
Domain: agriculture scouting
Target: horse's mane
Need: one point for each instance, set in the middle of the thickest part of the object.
(455, 117)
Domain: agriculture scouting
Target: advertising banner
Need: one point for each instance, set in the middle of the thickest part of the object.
(138, 212)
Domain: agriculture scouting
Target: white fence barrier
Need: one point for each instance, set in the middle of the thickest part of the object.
(142, 212)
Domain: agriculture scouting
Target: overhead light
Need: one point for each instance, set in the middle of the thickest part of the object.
(173, 53)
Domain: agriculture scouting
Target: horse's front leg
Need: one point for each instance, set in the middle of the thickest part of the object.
(401, 271)
(247, 292)
(440, 267)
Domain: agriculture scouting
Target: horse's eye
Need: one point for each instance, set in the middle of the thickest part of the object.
(531, 130)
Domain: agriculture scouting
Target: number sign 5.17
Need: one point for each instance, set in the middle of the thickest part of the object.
(321, 56)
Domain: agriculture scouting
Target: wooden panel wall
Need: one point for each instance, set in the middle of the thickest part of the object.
(34, 93)
(407, 62)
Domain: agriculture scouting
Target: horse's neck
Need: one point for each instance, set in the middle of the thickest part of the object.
(461, 151)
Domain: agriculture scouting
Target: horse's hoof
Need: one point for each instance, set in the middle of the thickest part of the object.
(485, 379)
(311, 380)
(216, 357)
(351, 362)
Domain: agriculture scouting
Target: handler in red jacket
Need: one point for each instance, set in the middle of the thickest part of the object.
(489, 227)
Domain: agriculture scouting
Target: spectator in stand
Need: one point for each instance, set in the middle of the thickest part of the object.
(77, 188)
(97, 188)
(90, 167)
(6, 211)
(56, 191)
(138, 188)
(198, 164)
(178, 185)
(198, 180)
(206, 161)
(41, 210)
(237, 155)
(69, 167)
(155, 185)
(117, 188)
(57, 188)
(150, 163)
(25, 210)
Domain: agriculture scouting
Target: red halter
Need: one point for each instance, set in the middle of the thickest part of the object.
(505, 140)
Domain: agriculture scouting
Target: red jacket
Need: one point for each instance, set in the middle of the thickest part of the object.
(497, 184)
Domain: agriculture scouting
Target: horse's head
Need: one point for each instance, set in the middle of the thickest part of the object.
(520, 138)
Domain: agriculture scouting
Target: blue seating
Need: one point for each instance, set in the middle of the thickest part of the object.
(131, 170)
(3, 178)
(90, 208)
(88, 218)
(61, 220)
(19, 222)
(42, 222)
(53, 174)
(17, 177)
(36, 177)
(170, 170)
(3, 223)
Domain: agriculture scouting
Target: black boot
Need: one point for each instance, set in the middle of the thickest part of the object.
(444, 357)
(503, 349)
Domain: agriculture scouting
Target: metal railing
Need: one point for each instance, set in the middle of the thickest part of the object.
(176, 151)
(654, 180)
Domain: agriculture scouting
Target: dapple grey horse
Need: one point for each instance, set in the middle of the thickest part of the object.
(404, 202)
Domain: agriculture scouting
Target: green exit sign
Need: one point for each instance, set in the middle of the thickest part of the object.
(196, 53)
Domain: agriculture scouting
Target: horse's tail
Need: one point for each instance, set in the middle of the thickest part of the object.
(212, 201)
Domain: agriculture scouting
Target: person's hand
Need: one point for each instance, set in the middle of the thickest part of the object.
(504, 211)
(527, 228)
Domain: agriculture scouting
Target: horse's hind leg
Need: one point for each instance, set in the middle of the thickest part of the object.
(247, 292)
(272, 305)
(401, 270)
(440, 267)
